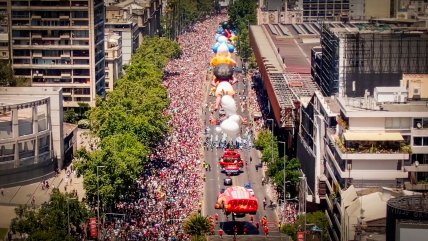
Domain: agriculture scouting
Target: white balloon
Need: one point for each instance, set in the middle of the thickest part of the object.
(222, 39)
(218, 129)
(230, 110)
(222, 48)
(227, 100)
(230, 127)
(224, 88)
(235, 118)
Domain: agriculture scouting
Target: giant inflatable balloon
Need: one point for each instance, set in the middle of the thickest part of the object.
(222, 39)
(229, 105)
(230, 127)
(218, 60)
(224, 88)
(223, 72)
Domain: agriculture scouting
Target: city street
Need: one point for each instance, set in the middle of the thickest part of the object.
(214, 181)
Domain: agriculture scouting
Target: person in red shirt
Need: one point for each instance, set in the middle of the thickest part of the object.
(216, 217)
(266, 230)
(220, 233)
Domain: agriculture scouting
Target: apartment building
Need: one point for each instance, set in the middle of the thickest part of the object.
(321, 10)
(356, 57)
(4, 31)
(113, 56)
(60, 44)
(368, 142)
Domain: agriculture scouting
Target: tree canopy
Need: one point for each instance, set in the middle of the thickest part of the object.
(129, 122)
(197, 226)
(276, 164)
(50, 222)
(317, 218)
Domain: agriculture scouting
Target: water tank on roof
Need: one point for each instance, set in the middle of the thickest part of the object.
(390, 94)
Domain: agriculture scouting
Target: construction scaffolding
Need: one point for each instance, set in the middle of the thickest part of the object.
(356, 58)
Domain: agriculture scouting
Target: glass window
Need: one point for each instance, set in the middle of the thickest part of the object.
(417, 141)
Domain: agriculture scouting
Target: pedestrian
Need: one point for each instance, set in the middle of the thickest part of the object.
(220, 233)
(2, 191)
(264, 204)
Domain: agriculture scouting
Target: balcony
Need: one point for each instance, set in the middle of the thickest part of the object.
(65, 55)
(37, 74)
(416, 186)
(65, 75)
(36, 35)
(64, 36)
(64, 17)
(36, 17)
(38, 54)
(370, 150)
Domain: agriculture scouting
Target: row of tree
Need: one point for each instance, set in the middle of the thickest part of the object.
(243, 13)
(182, 13)
(58, 219)
(129, 123)
(281, 170)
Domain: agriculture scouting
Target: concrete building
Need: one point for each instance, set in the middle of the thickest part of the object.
(368, 142)
(369, 9)
(283, 57)
(113, 56)
(278, 11)
(132, 20)
(60, 44)
(322, 10)
(4, 31)
(31, 133)
(357, 57)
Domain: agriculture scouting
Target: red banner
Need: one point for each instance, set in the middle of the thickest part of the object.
(93, 227)
(300, 236)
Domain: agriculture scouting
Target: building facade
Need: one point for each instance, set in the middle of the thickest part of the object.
(358, 57)
(60, 44)
(113, 55)
(375, 141)
(31, 133)
(321, 10)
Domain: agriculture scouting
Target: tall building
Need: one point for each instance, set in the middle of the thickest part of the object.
(60, 44)
(4, 31)
(358, 57)
(319, 10)
(376, 141)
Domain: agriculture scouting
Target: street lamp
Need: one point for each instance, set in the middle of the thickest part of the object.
(272, 136)
(283, 143)
(68, 213)
(98, 197)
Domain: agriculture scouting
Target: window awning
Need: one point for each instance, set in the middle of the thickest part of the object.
(352, 136)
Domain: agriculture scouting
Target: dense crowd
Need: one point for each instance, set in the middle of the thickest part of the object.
(290, 212)
(258, 102)
(171, 185)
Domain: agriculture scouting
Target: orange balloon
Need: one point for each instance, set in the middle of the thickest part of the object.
(217, 60)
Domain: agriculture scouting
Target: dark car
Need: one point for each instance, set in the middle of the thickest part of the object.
(227, 181)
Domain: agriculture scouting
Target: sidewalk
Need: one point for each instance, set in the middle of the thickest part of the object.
(21, 195)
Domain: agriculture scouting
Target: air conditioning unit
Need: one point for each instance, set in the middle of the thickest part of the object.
(419, 125)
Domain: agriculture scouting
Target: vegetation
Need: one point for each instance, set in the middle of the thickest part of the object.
(129, 122)
(277, 164)
(50, 222)
(197, 226)
(317, 218)
(7, 78)
(242, 13)
(182, 13)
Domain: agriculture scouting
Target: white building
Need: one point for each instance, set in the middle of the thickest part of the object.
(113, 57)
(364, 143)
(31, 133)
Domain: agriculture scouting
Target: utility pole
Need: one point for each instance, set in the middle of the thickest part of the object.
(98, 198)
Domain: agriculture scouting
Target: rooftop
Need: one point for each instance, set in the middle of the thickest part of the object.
(410, 203)
(286, 58)
(68, 128)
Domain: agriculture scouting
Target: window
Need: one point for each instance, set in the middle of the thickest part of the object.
(420, 141)
(397, 123)
(420, 123)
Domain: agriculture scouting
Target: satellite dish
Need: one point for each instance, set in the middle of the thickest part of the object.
(418, 125)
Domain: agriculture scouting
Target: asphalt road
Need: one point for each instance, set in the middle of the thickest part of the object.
(214, 183)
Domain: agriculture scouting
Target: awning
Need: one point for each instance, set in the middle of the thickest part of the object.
(352, 136)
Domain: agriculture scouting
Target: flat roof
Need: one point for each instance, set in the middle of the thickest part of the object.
(367, 136)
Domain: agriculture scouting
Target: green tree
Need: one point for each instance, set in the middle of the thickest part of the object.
(197, 226)
(50, 222)
(70, 116)
(123, 157)
(6, 74)
(317, 218)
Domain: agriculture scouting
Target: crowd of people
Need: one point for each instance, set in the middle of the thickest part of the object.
(172, 183)
(290, 212)
(258, 103)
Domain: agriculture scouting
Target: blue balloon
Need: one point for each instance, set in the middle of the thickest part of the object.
(220, 30)
(216, 36)
(215, 47)
(231, 48)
